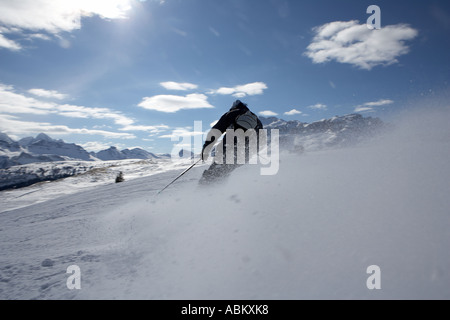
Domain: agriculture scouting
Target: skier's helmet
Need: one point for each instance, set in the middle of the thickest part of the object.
(237, 104)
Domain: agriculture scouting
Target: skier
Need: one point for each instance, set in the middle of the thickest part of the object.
(238, 117)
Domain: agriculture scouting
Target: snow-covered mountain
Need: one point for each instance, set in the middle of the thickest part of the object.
(5, 141)
(110, 154)
(115, 154)
(337, 131)
(44, 145)
(336, 124)
(8, 149)
(42, 148)
(138, 153)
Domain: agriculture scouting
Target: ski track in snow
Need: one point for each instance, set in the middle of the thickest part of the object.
(309, 232)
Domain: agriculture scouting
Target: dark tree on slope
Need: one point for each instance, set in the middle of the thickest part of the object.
(120, 177)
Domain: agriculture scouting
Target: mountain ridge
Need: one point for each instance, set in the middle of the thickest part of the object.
(338, 131)
(43, 148)
(294, 134)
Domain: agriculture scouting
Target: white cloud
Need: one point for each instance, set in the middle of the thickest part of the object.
(9, 44)
(268, 113)
(379, 103)
(182, 132)
(170, 85)
(48, 94)
(370, 106)
(353, 43)
(150, 129)
(172, 104)
(318, 106)
(225, 90)
(292, 112)
(363, 109)
(95, 146)
(11, 124)
(11, 102)
(241, 91)
(55, 16)
(103, 126)
(39, 36)
(15, 103)
(94, 113)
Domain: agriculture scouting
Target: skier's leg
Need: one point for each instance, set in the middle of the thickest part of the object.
(209, 175)
(217, 172)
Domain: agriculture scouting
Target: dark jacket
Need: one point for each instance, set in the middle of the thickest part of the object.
(228, 121)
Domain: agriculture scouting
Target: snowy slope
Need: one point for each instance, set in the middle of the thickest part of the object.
(73, 177)
(310, 231)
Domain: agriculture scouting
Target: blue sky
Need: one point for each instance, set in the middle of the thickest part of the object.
(132, 73)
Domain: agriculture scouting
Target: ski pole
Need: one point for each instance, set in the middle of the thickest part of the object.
(179, 176)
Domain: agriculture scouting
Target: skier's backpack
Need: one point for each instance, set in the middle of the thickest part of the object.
(246, 121)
